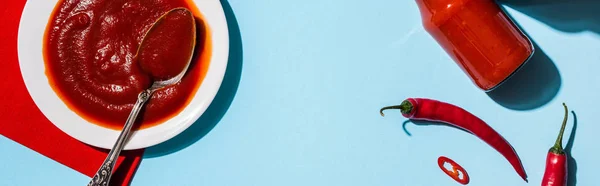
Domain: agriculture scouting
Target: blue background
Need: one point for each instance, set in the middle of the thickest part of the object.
(300, 100)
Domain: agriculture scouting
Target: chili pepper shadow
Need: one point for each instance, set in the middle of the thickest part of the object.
(427, 123)
(564, 15)
(571, 163)
(221, 102)
(536, 83)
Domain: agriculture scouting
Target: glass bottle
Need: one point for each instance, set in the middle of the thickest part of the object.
(479, 37)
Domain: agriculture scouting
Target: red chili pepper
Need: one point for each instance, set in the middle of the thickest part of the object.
(556, 161)
(437, 111)
(456, 171)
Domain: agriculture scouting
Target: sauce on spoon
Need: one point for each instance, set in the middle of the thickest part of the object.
(168, 46)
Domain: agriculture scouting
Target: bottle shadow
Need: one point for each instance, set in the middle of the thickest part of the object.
(563, 15)
(536, 83)
(222, 100)
(571, 163)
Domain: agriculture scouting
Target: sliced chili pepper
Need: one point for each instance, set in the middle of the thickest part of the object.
(556, 161)
(456, 171)
(437, 111)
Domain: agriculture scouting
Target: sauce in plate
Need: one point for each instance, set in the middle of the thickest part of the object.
(90, 56)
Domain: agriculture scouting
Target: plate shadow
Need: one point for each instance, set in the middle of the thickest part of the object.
(222, 100)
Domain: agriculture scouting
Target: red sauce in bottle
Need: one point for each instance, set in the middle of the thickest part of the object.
(90, 49)
(479, 37)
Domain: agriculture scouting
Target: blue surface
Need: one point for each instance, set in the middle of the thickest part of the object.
(299, 105)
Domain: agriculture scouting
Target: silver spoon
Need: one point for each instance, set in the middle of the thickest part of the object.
(102, 177)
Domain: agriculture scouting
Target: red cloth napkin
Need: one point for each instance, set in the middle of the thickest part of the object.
(23, 122)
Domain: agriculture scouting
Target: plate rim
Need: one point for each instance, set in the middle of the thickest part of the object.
(144, 138)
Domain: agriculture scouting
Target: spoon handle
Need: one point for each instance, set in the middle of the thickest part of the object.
(102, 177)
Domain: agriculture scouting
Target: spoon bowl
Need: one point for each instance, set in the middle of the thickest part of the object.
(162, 56)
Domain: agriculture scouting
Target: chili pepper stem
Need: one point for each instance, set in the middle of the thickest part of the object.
(405, 107)
(558, 148)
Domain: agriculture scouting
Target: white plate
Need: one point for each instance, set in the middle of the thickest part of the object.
(31, 33)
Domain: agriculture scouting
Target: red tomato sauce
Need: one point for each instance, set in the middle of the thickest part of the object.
(479, 37)
(90, 49)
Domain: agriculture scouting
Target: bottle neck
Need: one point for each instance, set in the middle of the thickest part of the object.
(440, 4)
(440, 8)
